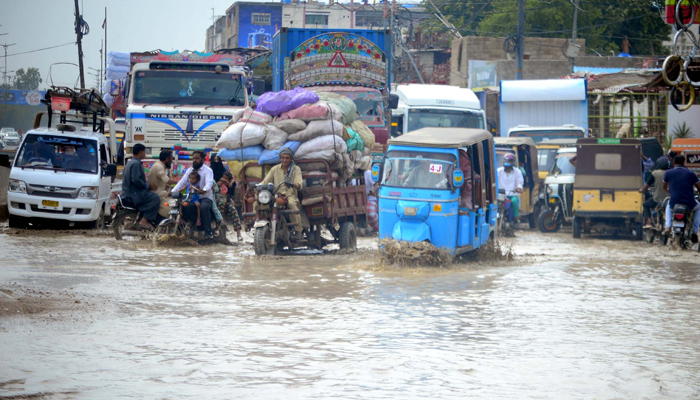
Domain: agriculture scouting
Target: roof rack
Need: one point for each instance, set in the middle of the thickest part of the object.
(87, 105)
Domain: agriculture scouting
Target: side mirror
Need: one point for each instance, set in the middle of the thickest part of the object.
(393, 101)
(376, 172)
(111, 170)
(5, 161)
(457, 178)
(258, 87)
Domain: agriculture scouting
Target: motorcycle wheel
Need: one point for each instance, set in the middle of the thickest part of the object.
(650, 235)
(547, 223)
(123, 224)
(664, 239)
(577, 228)
(162, 230)
(639, 231)
(261, 241)
(676, 243)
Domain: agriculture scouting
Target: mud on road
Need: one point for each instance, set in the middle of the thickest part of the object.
(591, 318)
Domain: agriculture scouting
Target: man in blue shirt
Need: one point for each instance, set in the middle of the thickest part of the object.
(679, 182)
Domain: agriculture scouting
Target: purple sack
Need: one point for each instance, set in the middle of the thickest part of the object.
(276, 103)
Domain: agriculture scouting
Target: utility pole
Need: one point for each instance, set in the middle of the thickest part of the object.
(573, 33)
(101, 70)
(4, 74)
(104, 26)
(520, 51)
(79, 34)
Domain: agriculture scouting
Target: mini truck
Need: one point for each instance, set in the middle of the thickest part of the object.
(65, 172)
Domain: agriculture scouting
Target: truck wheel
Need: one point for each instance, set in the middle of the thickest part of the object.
(17, 222)
(124, 222)
(577, 228)
(261, 241)
(547, 223)
(348, 236)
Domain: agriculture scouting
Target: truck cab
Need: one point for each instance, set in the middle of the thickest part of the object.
(417, 106)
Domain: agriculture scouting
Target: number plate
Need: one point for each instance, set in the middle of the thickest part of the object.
(49, 203)
(678, 224)
(436, 168)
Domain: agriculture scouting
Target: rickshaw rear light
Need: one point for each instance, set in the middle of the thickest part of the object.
(678, 216)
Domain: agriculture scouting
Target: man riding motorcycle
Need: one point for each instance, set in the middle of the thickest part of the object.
(656, 181)
(679, 182)
(290, 174)
(206, 195)
(136, 189)
(160, 182)
(511, 179)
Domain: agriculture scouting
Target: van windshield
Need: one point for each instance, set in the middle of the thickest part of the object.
(58, 152)
(563, 165)
(418, 170)
(439, 118)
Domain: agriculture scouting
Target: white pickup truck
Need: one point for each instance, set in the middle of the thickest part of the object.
(63, 173)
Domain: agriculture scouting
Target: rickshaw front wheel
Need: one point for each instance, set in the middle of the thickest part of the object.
(547, 223)
(577, 228)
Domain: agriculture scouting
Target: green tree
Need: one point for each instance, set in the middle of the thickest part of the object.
(28, 80)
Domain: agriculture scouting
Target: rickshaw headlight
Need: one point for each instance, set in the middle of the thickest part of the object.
(264, 197)
(549, 190)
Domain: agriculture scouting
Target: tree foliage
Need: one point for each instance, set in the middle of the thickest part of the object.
(603, 23)
(27, 80)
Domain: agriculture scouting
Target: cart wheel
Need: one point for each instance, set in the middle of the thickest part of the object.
(348, 236)
(577, 228)
(547, 223)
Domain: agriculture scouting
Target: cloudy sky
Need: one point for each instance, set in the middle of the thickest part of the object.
(133, 26)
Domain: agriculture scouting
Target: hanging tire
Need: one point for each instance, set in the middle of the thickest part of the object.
(547, 223)
(577, 228)
(261, 241)
(348, 236)
(124, 220)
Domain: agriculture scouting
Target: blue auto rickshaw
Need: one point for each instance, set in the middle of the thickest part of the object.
(439, 185)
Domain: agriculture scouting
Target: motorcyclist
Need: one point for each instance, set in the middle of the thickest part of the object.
(135, 187)
(679, 182)
(511, 179)
(290, 174)
(160, 182)
(204, 189)
(656, 181)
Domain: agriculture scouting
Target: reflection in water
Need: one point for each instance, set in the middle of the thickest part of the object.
(209, 323)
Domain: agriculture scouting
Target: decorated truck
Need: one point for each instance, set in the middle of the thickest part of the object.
(351, 62)
(180, 101)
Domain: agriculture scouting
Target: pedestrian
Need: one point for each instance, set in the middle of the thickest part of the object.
(224, 193)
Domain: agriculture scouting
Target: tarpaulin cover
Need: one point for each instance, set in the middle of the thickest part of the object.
(244, 153)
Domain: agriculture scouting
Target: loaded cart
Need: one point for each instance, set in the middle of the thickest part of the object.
(324, 203)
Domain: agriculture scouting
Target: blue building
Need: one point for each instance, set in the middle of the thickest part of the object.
(250, 24)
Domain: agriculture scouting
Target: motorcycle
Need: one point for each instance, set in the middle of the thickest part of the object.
(505, 227)
(179, 226)
(681, 227)
(657, 224)
(272, 225)
(126, 221)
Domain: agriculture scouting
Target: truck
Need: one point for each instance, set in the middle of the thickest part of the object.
(65, 172)
(544, 108)
(181, 102)
(416, 106)
(351, 62)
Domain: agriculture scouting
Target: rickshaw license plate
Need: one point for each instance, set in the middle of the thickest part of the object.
(49, 203)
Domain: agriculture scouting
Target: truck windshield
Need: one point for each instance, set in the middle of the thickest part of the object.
(58, 152)
(188, 88)
(439, 118)
(418, 170)
(563, 165)
(549, 134)
(370, 105)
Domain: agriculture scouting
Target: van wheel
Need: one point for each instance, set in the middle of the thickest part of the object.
(99, 223)
(577, 228)
(348, 236)
(17, 222)
(547, 223)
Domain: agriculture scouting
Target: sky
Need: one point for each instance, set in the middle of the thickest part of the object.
(132, 26)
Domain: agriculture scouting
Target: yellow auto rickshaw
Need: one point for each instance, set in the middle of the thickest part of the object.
(547, 153)
(525, 153)
(606, 187)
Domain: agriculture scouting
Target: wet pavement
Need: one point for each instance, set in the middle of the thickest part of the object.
(597, 318)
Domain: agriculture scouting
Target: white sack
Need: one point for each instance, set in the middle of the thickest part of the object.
(240, 135)
(318, 128)
(290, 125)
(275, 138)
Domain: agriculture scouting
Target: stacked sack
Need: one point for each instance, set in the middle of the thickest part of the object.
(118, 66)
(313, 125)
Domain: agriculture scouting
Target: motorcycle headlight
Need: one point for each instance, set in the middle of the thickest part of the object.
(17, 186)
(264, 197)
(501, 197)
(88, 192)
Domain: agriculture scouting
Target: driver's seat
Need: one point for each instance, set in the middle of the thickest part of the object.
(126, 203)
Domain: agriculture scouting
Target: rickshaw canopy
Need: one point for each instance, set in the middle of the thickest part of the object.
(441, 137)
(608, 164)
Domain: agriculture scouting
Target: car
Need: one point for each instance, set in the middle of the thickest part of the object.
(11, 138)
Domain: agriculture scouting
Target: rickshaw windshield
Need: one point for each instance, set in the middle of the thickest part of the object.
(418, 170)
(563, 165)
(545, 158)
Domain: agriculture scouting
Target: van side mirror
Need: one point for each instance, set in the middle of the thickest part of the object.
(111, 170)
(393, 101)
(5, 161)
(258, 87)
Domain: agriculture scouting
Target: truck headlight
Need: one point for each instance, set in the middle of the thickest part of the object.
(17, 186)
(88, 192)
(264, 197)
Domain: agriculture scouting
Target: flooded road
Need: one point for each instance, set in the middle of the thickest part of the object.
(595, 318)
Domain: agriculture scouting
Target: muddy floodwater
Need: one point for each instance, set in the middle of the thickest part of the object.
(83, 316)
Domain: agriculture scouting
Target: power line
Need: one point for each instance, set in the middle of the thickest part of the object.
(45, 48)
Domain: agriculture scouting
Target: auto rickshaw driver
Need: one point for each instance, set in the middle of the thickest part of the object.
(290, 174)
